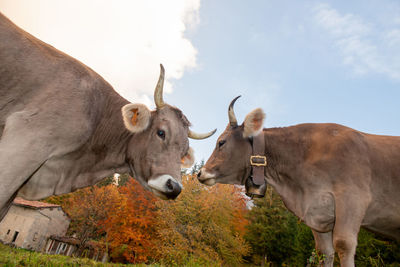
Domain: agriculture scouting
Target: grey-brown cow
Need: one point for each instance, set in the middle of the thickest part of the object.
(332, 177)
(62, 128)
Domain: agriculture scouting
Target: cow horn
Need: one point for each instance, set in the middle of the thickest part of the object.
(199, 136)
(231, 113)
(158, 92)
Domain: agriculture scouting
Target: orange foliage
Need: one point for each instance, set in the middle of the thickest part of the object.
(129, 226)
(206, 224)
(87, 208)
(121, 217)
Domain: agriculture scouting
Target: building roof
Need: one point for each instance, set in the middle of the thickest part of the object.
(33, 204)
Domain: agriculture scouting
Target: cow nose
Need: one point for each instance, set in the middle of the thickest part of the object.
(198, 174)
(173, 189)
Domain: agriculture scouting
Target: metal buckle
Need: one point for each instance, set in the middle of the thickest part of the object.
(252, 163)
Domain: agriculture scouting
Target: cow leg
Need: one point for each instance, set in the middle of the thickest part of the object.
(350, 210)
(19, 159)
(345, 244)
(24, 146)
(7, 206)
(324, 244)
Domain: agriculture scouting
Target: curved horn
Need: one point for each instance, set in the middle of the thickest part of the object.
(231, 113)
(199, 136)
(158, 92)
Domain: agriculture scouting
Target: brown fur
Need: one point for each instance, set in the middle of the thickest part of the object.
(61, 126)
(334, 178)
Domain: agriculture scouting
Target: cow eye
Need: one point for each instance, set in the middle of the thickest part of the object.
(161, 134)
(221, 143)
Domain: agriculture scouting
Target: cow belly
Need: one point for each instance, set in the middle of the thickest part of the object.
(385, 222)
(383, 214)
(44, 182)
(392, 232)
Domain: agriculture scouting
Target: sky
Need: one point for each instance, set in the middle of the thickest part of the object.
(300, 61)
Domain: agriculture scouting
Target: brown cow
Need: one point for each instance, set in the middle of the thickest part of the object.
(63, 127)
(334, 178)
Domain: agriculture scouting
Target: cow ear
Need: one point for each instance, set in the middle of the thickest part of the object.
(188, 160)
(136, 117)
(253, 123)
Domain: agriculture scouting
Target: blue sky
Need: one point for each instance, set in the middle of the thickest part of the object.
(301, 61)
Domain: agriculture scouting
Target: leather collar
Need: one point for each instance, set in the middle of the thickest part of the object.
(258, 160)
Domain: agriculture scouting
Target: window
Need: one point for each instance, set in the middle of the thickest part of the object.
(8, 232)
(15, 236)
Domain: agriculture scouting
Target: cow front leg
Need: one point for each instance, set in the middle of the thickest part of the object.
(350, 211)
(345, 244)
(324, 244)
(25, 145)
(19, 159)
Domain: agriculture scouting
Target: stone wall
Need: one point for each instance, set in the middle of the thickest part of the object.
(34, 226)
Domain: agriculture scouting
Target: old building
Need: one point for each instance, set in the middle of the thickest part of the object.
(68, 246)
(29, 224)
(61, 245)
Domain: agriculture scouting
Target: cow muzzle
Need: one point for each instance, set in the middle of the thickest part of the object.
(165, 186)
(253, 190)
(206, 178)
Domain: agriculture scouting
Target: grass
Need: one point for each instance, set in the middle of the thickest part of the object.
(17, 257)
(12, 257)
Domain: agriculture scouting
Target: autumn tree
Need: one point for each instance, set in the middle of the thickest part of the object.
(130, 225)
(205, 224)
(87, 208)
(121, 218)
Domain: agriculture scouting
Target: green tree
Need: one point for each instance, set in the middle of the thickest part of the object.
(276, 235)
(375, 250)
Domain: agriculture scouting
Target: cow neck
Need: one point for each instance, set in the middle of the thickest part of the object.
(110, 137)
(285, 149)
(258, 160)
(110, 128)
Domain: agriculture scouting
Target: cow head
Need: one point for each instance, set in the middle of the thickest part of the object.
(229, 163)
(159, 144)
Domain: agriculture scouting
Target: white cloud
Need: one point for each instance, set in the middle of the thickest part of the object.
(360, 43)
(339, 25)
(122, 40)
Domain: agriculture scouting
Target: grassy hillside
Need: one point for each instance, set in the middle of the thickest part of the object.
(21, 257)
